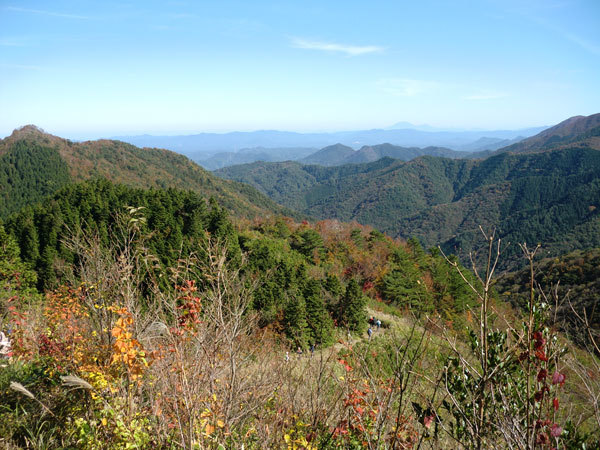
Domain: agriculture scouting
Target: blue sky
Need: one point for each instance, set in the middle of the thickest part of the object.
(90, 69)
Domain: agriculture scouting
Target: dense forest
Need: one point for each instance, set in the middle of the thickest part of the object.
(178, 222)
(576, 278)
(548, 197)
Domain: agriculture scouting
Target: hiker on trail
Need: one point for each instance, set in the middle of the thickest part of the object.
(299, 352)
(312, 350)
(287, 356)
(370, 332)
(378, 324)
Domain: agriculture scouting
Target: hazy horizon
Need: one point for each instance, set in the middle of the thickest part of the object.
(108, 135)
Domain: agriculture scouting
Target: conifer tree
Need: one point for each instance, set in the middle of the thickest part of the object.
(295, 321)
(320, 325)
(353, 307)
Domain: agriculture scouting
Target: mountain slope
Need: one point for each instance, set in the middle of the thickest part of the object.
(549, 197)
(249, 155)
(576, 276)
(333, 155)
(59, 161)
(577, 131)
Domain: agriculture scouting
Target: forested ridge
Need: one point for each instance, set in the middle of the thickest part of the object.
(576, 276)
(546, 197)
(36, 164)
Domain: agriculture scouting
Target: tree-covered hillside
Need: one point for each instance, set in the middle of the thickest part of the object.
(337, 155)
(28, 173)
(164, 323)
(576, 278)
(577, 131)
(548, 197)
(289, 258)
(35, 164)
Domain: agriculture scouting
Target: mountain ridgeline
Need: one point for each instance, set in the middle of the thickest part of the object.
(34, 164)
(337, 155)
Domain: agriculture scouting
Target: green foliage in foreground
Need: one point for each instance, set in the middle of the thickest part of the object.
(299, 266)
(198, 360)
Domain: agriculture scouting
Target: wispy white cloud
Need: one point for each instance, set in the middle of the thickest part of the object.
(13, 42)
(349, 50)
(404, 87)
(21, 67)
(486, 95)
(46, 13)
(183, 16)
(584, 43)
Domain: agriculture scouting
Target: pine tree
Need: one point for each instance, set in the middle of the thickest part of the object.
(320, 325)
(295, 321)
(15, 275)
(28, 239)
(353, 307)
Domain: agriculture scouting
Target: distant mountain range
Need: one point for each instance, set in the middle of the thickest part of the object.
(337, 155)
(34, 164)
(539, 195)
(202, 146)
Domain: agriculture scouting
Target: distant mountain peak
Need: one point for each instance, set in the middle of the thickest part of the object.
(411, 126)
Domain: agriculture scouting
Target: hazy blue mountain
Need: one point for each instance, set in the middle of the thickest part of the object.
(249, 155)
(489, 143)
(208, 144)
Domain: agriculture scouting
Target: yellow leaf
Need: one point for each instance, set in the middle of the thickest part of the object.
(209, 429)
(220, 423)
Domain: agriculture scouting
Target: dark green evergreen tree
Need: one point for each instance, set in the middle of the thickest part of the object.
(295, 321)
(320, 325)
(353, 310)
